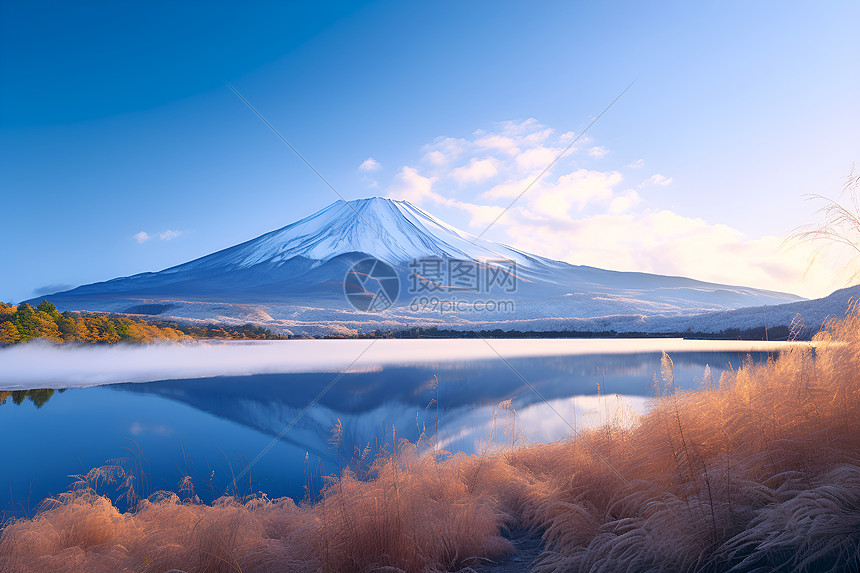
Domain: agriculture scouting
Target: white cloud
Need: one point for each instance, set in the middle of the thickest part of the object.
(436, 157)
(481, 215)
(579, 188)
(165, 235)
(477, 171)
(444, 150)
(169, 234)
(370, 164)
(657, 179)
(624, 202)
(515, 153)
(665, 242)
(498, 142)
(411, 186)
(584, 216)
(507, 189)
(566, 137)
(537, 158)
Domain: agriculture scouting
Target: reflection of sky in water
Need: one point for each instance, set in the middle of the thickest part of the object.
(540, 422)
(218, 424)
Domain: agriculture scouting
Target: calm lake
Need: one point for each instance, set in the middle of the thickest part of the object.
(211, 427)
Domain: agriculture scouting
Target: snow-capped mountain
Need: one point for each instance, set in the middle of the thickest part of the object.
(393, 231)
(293, 278)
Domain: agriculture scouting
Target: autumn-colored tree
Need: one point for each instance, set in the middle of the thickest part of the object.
(47, 327)
(101, 329)
(110, 334)
(9, 333)
(84, 334)
(24, 323)
(7, 311)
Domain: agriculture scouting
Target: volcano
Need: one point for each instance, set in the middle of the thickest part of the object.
(293, 278)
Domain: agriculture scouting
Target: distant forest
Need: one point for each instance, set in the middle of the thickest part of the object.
(37, 396)
(23, 323)
(778, 333)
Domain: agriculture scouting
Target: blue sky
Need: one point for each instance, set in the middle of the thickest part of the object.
(122, 150)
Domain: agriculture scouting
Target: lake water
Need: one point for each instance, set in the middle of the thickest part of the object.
(212, 427)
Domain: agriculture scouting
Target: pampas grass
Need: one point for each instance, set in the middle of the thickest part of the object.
(759, 471)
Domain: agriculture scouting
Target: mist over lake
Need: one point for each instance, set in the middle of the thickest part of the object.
(44, 365)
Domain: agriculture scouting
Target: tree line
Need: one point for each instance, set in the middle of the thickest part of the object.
(23, 323)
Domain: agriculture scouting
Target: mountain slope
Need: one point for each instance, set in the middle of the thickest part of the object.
(393, 231)
(298, 272)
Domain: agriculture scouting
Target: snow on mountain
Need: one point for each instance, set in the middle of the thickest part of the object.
(293, 279)
(390, 230)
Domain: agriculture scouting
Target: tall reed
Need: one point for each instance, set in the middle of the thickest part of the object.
(758, 471)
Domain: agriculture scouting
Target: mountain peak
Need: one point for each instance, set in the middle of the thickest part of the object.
(373, 201)
(395, 231)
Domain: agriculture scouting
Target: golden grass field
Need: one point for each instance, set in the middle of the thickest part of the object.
(758, 471)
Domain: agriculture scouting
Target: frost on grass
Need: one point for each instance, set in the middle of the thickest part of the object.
(758, 471)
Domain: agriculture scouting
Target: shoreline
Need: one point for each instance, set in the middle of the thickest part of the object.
(38, 365)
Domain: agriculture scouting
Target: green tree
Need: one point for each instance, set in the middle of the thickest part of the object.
(25, 321)
(121, 326)
(49, 309)
(40, 396)
(67, 326)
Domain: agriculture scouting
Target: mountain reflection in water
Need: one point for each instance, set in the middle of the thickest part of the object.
(212, 428)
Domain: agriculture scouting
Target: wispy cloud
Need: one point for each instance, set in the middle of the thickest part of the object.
(598, 152)
(657, 179)
(638, 164)
(166, 235)
(51, 288)
(369, 165)
(169, 234)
